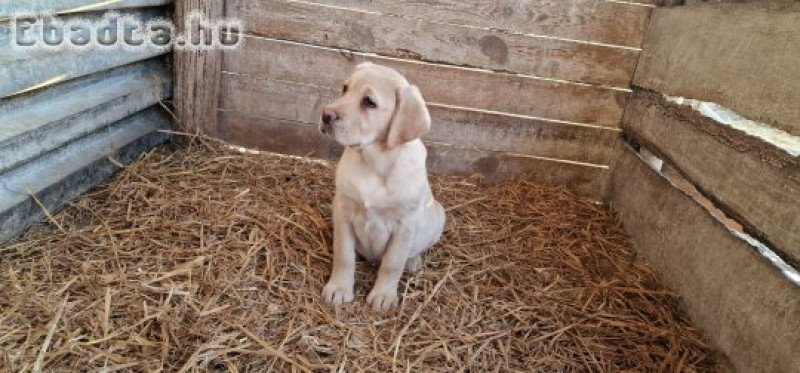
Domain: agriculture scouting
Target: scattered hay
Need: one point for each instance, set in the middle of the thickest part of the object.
(205, 258)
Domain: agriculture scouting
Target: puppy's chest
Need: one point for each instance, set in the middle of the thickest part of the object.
(373, 195)
(376, 196)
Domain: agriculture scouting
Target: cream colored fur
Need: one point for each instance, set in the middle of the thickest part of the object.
(383, 208)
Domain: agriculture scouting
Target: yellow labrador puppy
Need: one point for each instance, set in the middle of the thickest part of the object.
(383, 208)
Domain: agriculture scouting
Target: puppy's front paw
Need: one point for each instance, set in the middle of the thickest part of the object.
(337, 293)
(382, 299)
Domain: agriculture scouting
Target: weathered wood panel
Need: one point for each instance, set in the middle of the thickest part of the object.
(276, 135)
(304, 139)
(59, 176)
(497, 166)
(11, 8)
(741, 56)
(274, 98)
(745, 306)
(197, 72)
(461, 127)
(497, 132)
(438, 42)
(38, 123)
(608, 22)
(757, 182)
(280, 60)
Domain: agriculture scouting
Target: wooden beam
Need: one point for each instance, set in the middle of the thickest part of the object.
(741, 56)
(745, 306)
(197, 73)
(442, 84)
(755, 182)
(616, 23)
(426, 38)
(462, 127)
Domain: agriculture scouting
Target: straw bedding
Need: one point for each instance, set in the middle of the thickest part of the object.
(203, 258)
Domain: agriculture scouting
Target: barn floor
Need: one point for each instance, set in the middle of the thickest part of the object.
(204, 258)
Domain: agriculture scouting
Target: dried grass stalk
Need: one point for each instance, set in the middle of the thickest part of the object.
(205, 258)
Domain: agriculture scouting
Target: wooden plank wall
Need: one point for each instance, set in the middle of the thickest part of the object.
(744, 305)
(742, 57)
(514, 88)
(197, 72)
(746, 62)
(756, 181)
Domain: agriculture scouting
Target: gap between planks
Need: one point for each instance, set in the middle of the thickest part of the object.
(427, 63)
(717, 212)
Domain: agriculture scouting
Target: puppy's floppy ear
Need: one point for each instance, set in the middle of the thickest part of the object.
(411, 118)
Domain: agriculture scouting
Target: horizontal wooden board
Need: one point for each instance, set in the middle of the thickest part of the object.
(304, 139)
(457, 126)
(608, 22)
(746, 62)
(744, 304)
(756, 182)
(498, 166)
(276, 135)
(437, 42)
(591, 20)
(480, 89)
(522, 135)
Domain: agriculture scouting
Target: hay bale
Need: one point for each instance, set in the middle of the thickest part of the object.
(207, 258)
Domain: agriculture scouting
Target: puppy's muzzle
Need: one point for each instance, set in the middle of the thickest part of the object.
(329, 118)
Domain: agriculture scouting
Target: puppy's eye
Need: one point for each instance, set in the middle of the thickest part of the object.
(344, 89)
(368, 103)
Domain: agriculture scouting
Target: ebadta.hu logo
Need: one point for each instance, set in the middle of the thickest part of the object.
(121, 30)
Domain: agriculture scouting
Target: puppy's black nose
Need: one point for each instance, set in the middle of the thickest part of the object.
(327, 119)
(329, 116)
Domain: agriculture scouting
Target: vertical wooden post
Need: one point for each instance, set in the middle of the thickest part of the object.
(197, 73)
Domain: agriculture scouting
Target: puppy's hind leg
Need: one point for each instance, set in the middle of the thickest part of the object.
(431, 229)
(438, 218)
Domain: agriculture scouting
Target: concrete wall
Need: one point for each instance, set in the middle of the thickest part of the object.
(70, 118)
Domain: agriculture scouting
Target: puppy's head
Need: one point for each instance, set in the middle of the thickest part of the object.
(377, 106)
